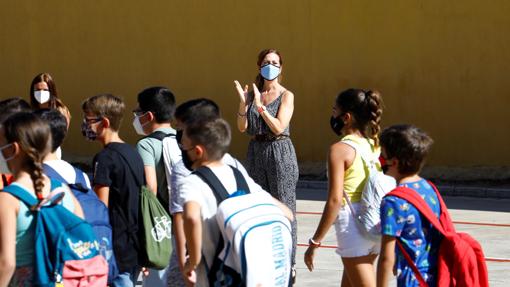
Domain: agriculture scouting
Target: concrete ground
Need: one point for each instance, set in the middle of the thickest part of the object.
(467, 212)
(487, 220)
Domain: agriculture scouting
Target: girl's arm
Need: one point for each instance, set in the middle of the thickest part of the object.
(339, 159)
(336, 169)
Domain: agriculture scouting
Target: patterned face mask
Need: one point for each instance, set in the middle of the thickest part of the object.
(87, 131)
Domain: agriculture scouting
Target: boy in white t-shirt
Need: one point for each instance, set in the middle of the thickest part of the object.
(205, 144)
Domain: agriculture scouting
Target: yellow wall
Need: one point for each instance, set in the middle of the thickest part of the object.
(443, 65)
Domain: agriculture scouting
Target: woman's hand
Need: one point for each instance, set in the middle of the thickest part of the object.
(309, 254)
(243, 93)
(256, 96)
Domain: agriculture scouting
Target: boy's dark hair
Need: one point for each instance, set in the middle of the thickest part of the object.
(197, 110)
(58, 126)
(214, 135)
(107, 106)
(407, 143)
(158, 100)
(11, 106)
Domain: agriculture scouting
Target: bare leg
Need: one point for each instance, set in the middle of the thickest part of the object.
(345, 279)
(360, 271)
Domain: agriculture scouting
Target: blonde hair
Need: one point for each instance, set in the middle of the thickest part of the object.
(107, 106)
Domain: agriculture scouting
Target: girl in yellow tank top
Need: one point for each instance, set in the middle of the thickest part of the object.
(356, 117)
(356, 175)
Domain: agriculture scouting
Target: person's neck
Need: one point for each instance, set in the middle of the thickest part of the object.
(23, 177)
(353, 132)
(270, 85)
(111, 137)
(51, 156)
(408, 178)
(211, 163)
(156, 126)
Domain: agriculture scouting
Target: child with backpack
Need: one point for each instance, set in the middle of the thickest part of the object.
(24, 142)
(204, 144)
(95, 211)
(187, 113)
(118, 178)
(152, 118)
(356, 118)
(419, 242)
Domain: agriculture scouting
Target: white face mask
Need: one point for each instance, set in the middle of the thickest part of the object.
(4, 168)
(138, 126)
(42, 96)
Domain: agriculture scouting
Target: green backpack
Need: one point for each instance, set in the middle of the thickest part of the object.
(157, 230)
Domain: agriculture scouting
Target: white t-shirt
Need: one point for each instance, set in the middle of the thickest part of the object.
(180, 172)
(195, 189)
(66, 171)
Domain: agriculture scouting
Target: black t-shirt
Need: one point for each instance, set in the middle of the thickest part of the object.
(120, 167)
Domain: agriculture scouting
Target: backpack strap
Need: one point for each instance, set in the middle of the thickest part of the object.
(219, 191)
(21, 194)
(159, 135)
(52, 173)
(417, 273)
(80, 183)
(411, 196)
(112, 147)
(240, 181)
(364, 154)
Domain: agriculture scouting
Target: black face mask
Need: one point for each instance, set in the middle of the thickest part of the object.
(337, 124)
(178, 136)
(186, 160)
(185, 157)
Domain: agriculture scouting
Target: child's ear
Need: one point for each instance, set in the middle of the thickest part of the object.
(200, 151)
(106, 122)
(347, 117)
(395, 162)
(150, 116)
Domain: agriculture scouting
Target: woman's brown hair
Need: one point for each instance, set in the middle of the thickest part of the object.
(33, 137)
(259, 81)
(44, 77)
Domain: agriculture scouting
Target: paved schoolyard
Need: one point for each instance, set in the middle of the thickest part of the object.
(487, 220)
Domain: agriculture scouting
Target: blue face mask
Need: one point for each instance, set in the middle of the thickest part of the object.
(270, 72)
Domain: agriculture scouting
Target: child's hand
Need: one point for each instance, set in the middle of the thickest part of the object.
(145, 271)
(190, 276)
(309, 255)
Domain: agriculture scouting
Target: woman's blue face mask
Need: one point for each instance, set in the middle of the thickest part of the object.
(269, 72)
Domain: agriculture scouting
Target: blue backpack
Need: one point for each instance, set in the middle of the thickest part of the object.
(66, 249)
(96, 213)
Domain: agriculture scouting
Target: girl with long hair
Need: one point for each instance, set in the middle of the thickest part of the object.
(356, 119)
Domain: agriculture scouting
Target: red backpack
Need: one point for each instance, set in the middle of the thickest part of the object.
(461, 261)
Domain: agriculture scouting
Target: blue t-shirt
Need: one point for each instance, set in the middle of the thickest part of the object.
(420, 239)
